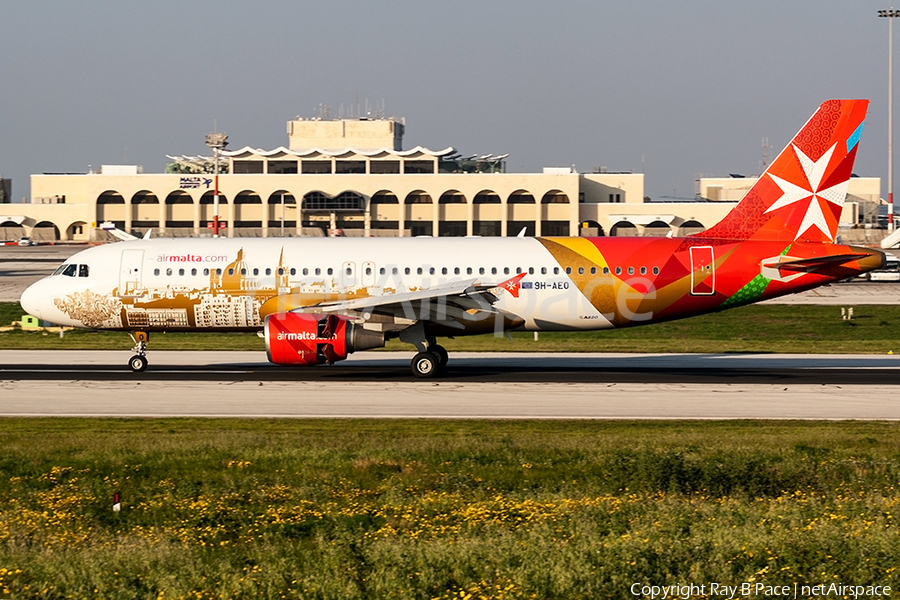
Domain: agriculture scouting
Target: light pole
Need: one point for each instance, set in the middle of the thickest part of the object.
(889, 15)
(216, 141)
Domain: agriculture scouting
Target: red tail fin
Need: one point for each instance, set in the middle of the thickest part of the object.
(801, 195)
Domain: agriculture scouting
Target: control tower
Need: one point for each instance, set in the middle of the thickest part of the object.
(334, 134)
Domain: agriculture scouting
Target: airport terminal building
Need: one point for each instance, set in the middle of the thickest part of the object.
(351, 177)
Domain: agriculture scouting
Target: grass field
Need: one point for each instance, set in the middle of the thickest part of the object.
(769, 328)
(448, 510)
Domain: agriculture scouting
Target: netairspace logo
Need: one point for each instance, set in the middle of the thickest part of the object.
(762, 590)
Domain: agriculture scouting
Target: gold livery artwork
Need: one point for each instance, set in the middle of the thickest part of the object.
(233, 300)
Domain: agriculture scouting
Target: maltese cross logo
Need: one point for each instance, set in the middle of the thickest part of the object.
(810, 191)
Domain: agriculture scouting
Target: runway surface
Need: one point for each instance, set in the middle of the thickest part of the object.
(369, 385)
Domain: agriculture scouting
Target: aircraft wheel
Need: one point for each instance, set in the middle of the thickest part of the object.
(138, 363)
(441, 353)
(425, 365)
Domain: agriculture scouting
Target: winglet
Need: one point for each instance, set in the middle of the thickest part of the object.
(513, 285)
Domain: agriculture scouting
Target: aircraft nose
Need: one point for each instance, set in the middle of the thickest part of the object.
(32, 298)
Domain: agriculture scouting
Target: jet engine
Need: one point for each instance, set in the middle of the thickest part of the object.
(310, 339)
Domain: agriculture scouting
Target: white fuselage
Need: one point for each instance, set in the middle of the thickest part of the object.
(220, 284)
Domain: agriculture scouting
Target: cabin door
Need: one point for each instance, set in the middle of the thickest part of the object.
(130, 273)
(703, 271)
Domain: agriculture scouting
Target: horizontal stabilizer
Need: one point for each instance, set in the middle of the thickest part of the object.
(808, 265)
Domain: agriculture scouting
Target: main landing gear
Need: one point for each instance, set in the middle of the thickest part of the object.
(138, 362)
(431, 358)
(429, 363)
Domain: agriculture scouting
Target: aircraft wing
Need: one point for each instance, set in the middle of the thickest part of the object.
(444, 304)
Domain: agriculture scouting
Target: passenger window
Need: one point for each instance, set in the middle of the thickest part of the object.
(243, 271)
(556, 270)
(406, 270)
(193, 271)
(456, 270)
(431, 271)
(83, 270)
(156, 271)
(568, 270)
(606, 270)
(618, 270)
(419, 271)
(518, 270)
(268, 270)
(280, 271)
(219, 272)
(230, 271)
(468, 270)
(481, 270)
(506, 270)
(368, 271)
(531, 270)
(631, 270)
(543, 270)
(381, 271)
(349, 271)
(181, 272)
(293, 271)
(593, 270)
(443, 270)
(395, 271)
(205, 272)
(581, 270)
(168, 272)
(493, 270)
(330, 271)
(305, 270)
(643, 270)
(318, 271)
(656, 270)
(255, 271)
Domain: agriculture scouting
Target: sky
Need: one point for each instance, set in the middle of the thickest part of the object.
(676, 90)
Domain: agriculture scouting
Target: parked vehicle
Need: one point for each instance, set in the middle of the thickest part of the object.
(889, 272)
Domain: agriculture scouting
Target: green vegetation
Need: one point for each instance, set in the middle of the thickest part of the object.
(757, 328)
(440, 509)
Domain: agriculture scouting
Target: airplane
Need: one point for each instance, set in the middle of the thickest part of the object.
(317, 300)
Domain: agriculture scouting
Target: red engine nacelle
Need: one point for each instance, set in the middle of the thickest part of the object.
(308, 339)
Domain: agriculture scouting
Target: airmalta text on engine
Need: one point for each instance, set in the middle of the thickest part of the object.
(317, 300)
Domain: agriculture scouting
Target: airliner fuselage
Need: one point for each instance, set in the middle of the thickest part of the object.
(566, 283)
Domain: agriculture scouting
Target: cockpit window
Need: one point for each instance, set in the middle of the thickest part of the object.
(69, 271)
(83, 270)
(59, 269)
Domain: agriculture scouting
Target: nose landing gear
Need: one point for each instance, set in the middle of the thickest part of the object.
(138, 362)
